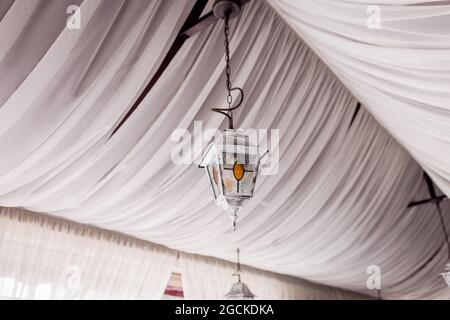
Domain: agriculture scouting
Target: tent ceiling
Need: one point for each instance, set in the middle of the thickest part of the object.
(337, 205)
(401, 71)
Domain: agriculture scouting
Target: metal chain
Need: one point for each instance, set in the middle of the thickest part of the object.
(228, 69)
(228, 112)
(238, 266)
(227, 61)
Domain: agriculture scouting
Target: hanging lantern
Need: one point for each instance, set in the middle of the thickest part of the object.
(232, 165)
(239, 290)
(232, 162)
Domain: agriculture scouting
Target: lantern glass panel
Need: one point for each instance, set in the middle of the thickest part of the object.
(232, 165)
(213, 177)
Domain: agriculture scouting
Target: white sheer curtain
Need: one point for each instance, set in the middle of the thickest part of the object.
(211, 278)
(49, 258)
(44, 257)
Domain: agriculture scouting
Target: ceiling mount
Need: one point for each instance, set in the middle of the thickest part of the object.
(223, 7)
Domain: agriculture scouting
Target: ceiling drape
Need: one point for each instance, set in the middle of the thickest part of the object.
(63, 91)
(400, 71)
(337, 205)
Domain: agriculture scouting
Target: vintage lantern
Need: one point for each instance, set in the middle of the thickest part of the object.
(232, 165)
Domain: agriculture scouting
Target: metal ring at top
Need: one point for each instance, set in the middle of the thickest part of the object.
(223, 7)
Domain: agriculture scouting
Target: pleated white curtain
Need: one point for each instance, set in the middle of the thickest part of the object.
(210, 278)
(399, 69)
(48, 258)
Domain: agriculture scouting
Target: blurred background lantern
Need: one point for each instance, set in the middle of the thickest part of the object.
(239, 290)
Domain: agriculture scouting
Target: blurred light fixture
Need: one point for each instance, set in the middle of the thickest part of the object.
(239, 290)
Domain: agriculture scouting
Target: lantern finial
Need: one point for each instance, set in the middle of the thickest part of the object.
(234, 219)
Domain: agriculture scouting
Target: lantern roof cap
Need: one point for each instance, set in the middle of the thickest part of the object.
(233, 141)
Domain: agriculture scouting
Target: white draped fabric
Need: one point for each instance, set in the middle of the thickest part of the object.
(337, 205)
(210, 278)
(401, 71)
(48, 258)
